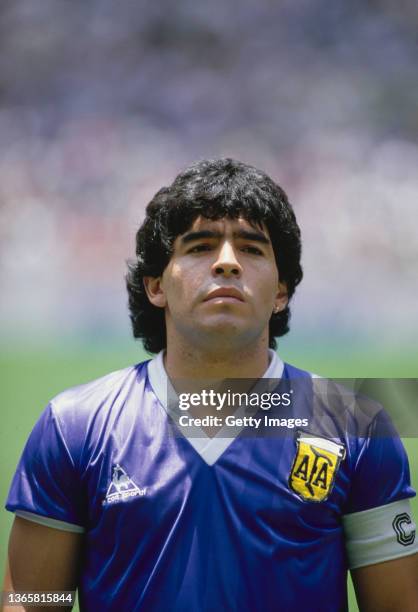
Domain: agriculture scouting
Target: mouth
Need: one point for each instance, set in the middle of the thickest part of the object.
(225, 294)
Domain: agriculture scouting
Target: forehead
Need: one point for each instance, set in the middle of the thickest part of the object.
(226, 225)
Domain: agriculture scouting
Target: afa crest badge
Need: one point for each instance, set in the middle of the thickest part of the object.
(315, 467)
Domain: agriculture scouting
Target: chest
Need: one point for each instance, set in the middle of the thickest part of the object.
(273, 487)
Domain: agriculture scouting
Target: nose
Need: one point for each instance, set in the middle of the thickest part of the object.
(226, 263)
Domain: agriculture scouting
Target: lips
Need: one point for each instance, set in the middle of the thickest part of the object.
(225, 292)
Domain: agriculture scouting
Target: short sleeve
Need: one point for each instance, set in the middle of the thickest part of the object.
(378, 521)
(381, 471)
(46, 487)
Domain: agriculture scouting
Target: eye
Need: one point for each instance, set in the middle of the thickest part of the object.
(253, 250)
(200, 248)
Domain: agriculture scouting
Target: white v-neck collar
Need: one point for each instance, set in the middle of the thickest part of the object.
(210, 449)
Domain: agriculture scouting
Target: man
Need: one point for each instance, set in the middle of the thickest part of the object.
(113, 497)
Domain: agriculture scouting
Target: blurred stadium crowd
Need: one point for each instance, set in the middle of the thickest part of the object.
(102, 103)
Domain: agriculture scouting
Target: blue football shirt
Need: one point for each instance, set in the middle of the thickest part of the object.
(241, 523)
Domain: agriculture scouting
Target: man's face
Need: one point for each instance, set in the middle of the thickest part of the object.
(221, 284)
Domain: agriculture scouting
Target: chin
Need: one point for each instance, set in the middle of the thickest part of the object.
(227, 333)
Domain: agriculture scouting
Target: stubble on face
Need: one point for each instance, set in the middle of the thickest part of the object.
(220, 287)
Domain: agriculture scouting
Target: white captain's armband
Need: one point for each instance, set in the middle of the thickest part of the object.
(380, 534)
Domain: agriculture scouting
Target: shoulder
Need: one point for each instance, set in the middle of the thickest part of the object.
(103, 389)
(81, 409)
(338, 411)
(353, 413)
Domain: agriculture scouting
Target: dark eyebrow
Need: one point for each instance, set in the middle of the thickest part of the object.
(252, 235)
(198, 235)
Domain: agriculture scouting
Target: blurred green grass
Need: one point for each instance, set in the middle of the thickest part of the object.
(29, 377)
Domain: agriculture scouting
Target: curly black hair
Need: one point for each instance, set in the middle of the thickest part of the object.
(213, 189)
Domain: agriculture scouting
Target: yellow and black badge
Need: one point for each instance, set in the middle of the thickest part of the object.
(315, 466)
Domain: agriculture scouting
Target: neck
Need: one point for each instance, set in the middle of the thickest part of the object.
(193, 362)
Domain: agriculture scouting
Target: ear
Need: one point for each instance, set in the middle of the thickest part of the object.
(282, 298)
(154, 291)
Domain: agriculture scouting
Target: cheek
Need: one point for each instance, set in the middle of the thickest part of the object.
(266, 282)
(180, 283)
